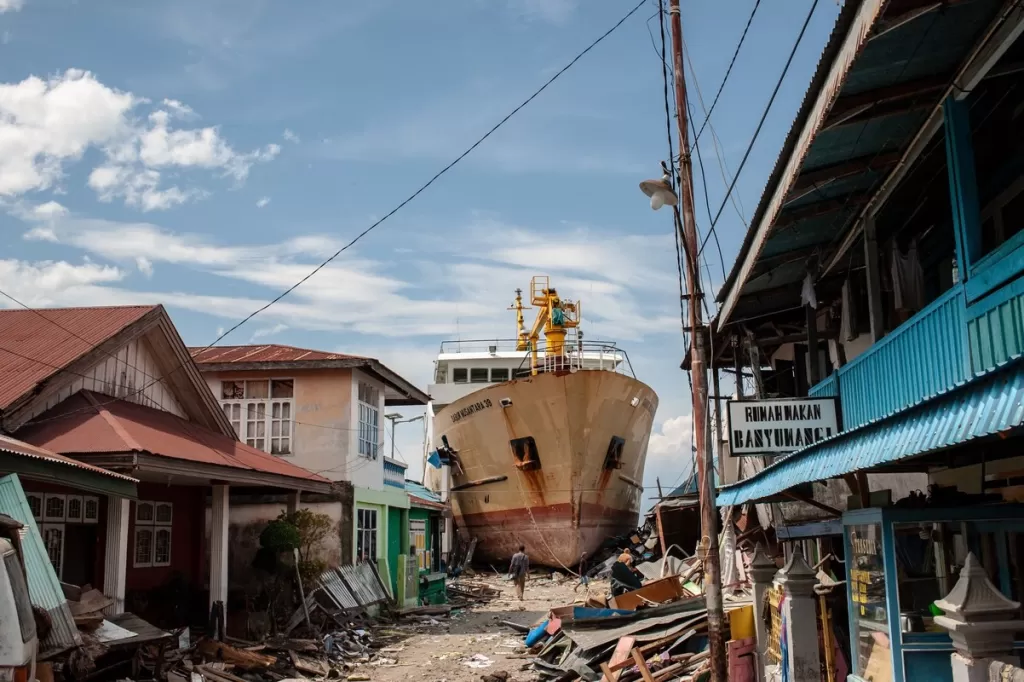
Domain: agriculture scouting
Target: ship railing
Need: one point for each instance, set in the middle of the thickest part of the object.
(479, 346)
(500, 345)
(572, 357)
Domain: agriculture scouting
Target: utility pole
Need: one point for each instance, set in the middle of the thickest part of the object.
(698, 372)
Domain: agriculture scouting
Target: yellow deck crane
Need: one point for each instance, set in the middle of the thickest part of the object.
(555, 316)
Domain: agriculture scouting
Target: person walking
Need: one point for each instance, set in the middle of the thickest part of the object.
(519, 569)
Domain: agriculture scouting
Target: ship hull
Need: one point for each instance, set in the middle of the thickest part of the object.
(579, 496)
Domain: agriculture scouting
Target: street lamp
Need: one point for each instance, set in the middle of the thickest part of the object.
(396, 418)
(660, 191)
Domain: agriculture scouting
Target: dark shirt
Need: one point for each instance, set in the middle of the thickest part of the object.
(623, 579)
(520, 565)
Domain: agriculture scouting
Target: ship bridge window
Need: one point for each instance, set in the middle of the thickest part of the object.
(499, 374)
(460, 375)
(521, 373)
(613, 458)
(525, 452)
(478, 375)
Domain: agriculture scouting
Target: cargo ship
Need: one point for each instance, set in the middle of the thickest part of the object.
(543, 437)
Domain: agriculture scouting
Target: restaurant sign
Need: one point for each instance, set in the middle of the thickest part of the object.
(778, 426)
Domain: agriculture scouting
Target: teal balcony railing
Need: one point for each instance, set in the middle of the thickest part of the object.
(925, 355)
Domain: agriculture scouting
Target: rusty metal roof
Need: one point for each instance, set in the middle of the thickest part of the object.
(23, 449)
(33, 345)
(90, 423)
(277, 357)
(268, 353)
(885, 68)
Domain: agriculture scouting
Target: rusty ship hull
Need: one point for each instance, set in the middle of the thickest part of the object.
(589, 430)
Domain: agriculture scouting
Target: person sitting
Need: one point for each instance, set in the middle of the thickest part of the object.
(623, 578)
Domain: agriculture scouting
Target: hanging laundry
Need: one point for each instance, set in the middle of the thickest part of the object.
(807, 295)
(907, 278)
(848, 314)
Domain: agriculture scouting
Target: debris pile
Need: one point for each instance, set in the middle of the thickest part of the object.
(655, 632)
(338, 655)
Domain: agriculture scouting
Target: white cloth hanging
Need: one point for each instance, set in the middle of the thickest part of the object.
(907, 278)
(807, 295)
(848, 314)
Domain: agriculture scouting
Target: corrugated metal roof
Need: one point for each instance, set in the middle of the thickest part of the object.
(268, 353)
(897, 77)
(422, 496)
(88, 423)
(987, 405)
(17, 447)
(43, 586)
(38, 334)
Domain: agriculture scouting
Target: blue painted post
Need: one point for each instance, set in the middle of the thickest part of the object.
(963, 185)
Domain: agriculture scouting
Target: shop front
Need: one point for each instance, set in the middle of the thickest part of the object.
(900, 562)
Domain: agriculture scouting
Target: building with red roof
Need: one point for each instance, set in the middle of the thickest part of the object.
(111, 414)
(325, 412)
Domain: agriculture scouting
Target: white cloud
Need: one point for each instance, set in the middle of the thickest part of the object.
(48, 283)
(144, 265)
(624, 289)
(139, 187)
(179, 109)
(263, 201)
(11, 5)
(266, 331)
(46, 124)
(290, 136)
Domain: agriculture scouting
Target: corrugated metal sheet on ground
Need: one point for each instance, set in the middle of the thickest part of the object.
(43, 586)
(642, 629)
(988, 404)
(364, 583)
(353, 586)
(332, 584)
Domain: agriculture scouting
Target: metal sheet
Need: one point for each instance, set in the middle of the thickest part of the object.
(643, 629)
(988, 404)
(364, 584)
(332, 584)
(43, 586)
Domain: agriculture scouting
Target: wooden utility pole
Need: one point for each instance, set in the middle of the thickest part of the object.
(705, 466)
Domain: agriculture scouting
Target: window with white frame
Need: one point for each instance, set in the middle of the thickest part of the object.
(153, 522)
(52, 512)
(261, 412)
(369, 420)
(366, 534)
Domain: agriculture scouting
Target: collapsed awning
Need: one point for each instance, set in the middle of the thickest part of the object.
(987, 405)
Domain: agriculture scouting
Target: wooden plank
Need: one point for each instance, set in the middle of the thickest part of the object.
(641, 663)
(620, 655)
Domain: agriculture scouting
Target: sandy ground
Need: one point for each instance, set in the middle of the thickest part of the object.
(443, 652)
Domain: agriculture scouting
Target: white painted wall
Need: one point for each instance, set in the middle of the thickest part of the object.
(363, 471)
(324, 430)
(121, 375)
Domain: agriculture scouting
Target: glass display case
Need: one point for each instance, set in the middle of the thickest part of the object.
(900, 562)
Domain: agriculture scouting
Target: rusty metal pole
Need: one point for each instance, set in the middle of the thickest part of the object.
(698, 371)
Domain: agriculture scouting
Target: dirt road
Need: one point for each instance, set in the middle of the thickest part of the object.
(446, 651)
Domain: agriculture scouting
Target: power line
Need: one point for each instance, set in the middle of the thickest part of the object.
(728, 71)
(764, 117)
(425, 185)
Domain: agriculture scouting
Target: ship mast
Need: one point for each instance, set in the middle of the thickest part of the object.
(522, 338)
(555, 317)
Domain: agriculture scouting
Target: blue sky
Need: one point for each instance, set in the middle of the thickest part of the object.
(206, 154)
